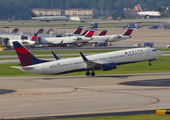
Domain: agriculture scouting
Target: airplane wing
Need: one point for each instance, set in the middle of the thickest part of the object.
(16, 67)
(24, 41)
(91, 64)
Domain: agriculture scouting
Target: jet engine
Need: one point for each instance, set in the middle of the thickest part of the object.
(109, 66)
(117, 36)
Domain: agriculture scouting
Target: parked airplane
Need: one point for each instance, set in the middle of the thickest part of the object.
(75, 33)
(49, 18)
(103, 61)
(112, 38)
(50, 33)
(25, 42)
(68, 40)
(75, 18)
(146, 14)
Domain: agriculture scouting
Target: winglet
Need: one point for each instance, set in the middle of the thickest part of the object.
(56, 57)
(84, 58)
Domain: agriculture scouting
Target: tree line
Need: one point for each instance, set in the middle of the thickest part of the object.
(21, 9)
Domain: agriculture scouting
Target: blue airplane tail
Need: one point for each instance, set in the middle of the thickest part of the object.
(25, 57)
(103, 32)
(78, 30)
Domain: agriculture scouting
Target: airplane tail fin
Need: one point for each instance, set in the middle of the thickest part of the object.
(128, 32)
(15, 30)
(90, 33)
(25, 57)
(34, 37)
(50, 30)
(33, 15)
(139, 8)
(41, 30)
(84, 32)
(103, 32)
(78, 30)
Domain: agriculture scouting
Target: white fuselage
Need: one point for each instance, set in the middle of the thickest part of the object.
(64, 40)
(149, 13)
(78, 64)
(109, 38)
(51, 18)
(75, 18)
(22, 42)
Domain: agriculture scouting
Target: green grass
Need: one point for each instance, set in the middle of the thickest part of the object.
(162, 64)
(36, 52)
(132, 117)
(57, 52)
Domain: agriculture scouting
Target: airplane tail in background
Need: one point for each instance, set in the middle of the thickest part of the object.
(103, 32)
(139, 8)
(15, 30)
(34, 37)
(41, 30)
(33, 15)
(128, 32)
(50, 30)
(90, 33)
(25, 57)
(84, 32)
(78, 30)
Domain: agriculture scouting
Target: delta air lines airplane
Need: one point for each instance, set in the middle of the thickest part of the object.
(148, 13)
(112, 38)
(103, 61)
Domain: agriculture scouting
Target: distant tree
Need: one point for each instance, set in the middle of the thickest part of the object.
(113, 16)
(122, 16)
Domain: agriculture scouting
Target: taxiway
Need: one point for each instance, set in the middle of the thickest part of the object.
(38, 96)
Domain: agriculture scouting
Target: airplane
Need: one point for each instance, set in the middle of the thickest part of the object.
(49, 18)
(112, 38)
(15, 30)
(146, 14)
(50, 33)
(75, 18)
(75, 33)
(68, 40)
(103, 61)
(25, 42)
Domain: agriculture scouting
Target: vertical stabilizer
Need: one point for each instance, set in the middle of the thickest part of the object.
(25, 57)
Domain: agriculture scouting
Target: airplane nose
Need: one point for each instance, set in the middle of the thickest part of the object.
(160, 53)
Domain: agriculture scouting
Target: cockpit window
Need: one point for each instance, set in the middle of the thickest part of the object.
(154, 50)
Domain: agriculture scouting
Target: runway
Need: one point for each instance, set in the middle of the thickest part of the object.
(38, 96)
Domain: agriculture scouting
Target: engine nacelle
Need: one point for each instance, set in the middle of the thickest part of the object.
(77, 38)
(109, 66)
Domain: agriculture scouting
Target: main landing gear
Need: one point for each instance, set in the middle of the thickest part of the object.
(92, 73)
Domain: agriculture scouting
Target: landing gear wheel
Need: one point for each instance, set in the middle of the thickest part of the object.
(150, 64)
(92, 73)
(87, 73)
